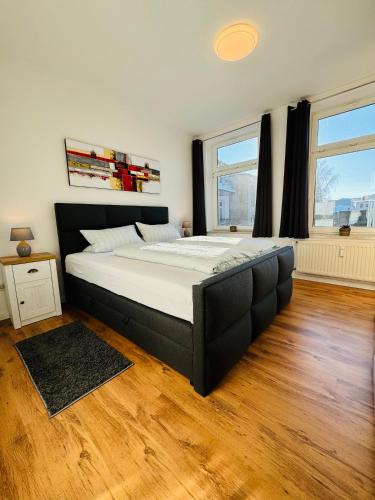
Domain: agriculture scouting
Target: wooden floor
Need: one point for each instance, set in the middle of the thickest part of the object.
(293, 419)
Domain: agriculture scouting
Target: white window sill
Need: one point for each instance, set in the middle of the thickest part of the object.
(335, 236)
(226, 232)
(356, 236)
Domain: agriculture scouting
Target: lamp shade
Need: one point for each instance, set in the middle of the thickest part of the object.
(186, 224)
(21, 234)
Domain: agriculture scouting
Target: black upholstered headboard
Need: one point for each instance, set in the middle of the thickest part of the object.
(71, 217)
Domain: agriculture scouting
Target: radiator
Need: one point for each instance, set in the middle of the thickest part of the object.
(349, 260)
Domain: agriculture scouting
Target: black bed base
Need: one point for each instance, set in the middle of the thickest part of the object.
(230, 309)
(166, 337)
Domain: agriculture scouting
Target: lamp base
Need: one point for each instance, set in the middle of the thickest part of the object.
(23, 249)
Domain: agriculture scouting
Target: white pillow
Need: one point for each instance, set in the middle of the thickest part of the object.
(106, 240)
(158, 232)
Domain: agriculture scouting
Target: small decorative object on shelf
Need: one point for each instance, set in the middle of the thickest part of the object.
(186, 225)
(345, 230)
(22, 234)
(233, 229)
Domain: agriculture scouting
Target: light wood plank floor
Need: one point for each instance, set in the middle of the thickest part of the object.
(293, 419)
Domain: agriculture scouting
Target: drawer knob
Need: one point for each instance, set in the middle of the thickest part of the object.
(22, 302)
(33, 270)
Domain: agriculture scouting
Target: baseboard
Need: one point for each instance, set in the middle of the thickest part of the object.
(334, 281)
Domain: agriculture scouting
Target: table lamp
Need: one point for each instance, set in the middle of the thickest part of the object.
(21, 234)
(186, 225)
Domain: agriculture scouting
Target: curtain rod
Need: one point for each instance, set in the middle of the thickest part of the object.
(340, 92)
(310, 99)
(229, 131)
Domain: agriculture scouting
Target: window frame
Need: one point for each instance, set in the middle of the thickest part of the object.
(226, 139)
(333, 149)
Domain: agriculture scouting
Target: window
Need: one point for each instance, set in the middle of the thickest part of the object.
(232, 154)
(357, 122)
(236, 194)
(343, 168)
(234, 173)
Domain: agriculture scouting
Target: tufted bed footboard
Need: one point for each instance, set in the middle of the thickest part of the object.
(231, 309)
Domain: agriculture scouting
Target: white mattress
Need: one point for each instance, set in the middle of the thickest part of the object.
(162, 287)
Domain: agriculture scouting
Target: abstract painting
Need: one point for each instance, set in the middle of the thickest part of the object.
(105, 168)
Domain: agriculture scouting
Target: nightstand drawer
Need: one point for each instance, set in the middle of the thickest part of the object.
(31, 271)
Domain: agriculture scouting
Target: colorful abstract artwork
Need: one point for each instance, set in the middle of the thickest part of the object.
(104, 168)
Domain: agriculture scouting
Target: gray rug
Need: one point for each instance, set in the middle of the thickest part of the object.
(67, 363)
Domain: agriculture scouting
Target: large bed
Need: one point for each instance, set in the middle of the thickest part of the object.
(210, 322)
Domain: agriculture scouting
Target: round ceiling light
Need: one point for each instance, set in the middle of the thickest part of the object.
(236, 42)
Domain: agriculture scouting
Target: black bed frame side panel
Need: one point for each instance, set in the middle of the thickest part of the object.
(164, 336)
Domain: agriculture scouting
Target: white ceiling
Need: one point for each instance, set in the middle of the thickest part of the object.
(159, 53)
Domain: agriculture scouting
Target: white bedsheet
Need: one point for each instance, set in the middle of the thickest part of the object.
(162, 287)
(208, 254)
(206, 259)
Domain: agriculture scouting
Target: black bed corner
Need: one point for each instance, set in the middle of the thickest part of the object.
(230, 309)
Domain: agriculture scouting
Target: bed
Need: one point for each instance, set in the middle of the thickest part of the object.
(228, 310)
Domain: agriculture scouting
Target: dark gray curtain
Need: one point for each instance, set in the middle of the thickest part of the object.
(199, 209)
(263, 208)
(294, 211)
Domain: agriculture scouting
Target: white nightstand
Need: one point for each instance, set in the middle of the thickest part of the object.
(31, 288)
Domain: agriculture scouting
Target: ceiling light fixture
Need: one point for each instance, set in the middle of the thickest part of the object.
(236, 42)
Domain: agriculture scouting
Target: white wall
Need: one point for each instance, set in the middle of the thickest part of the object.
(38, 110)
(278, 138)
